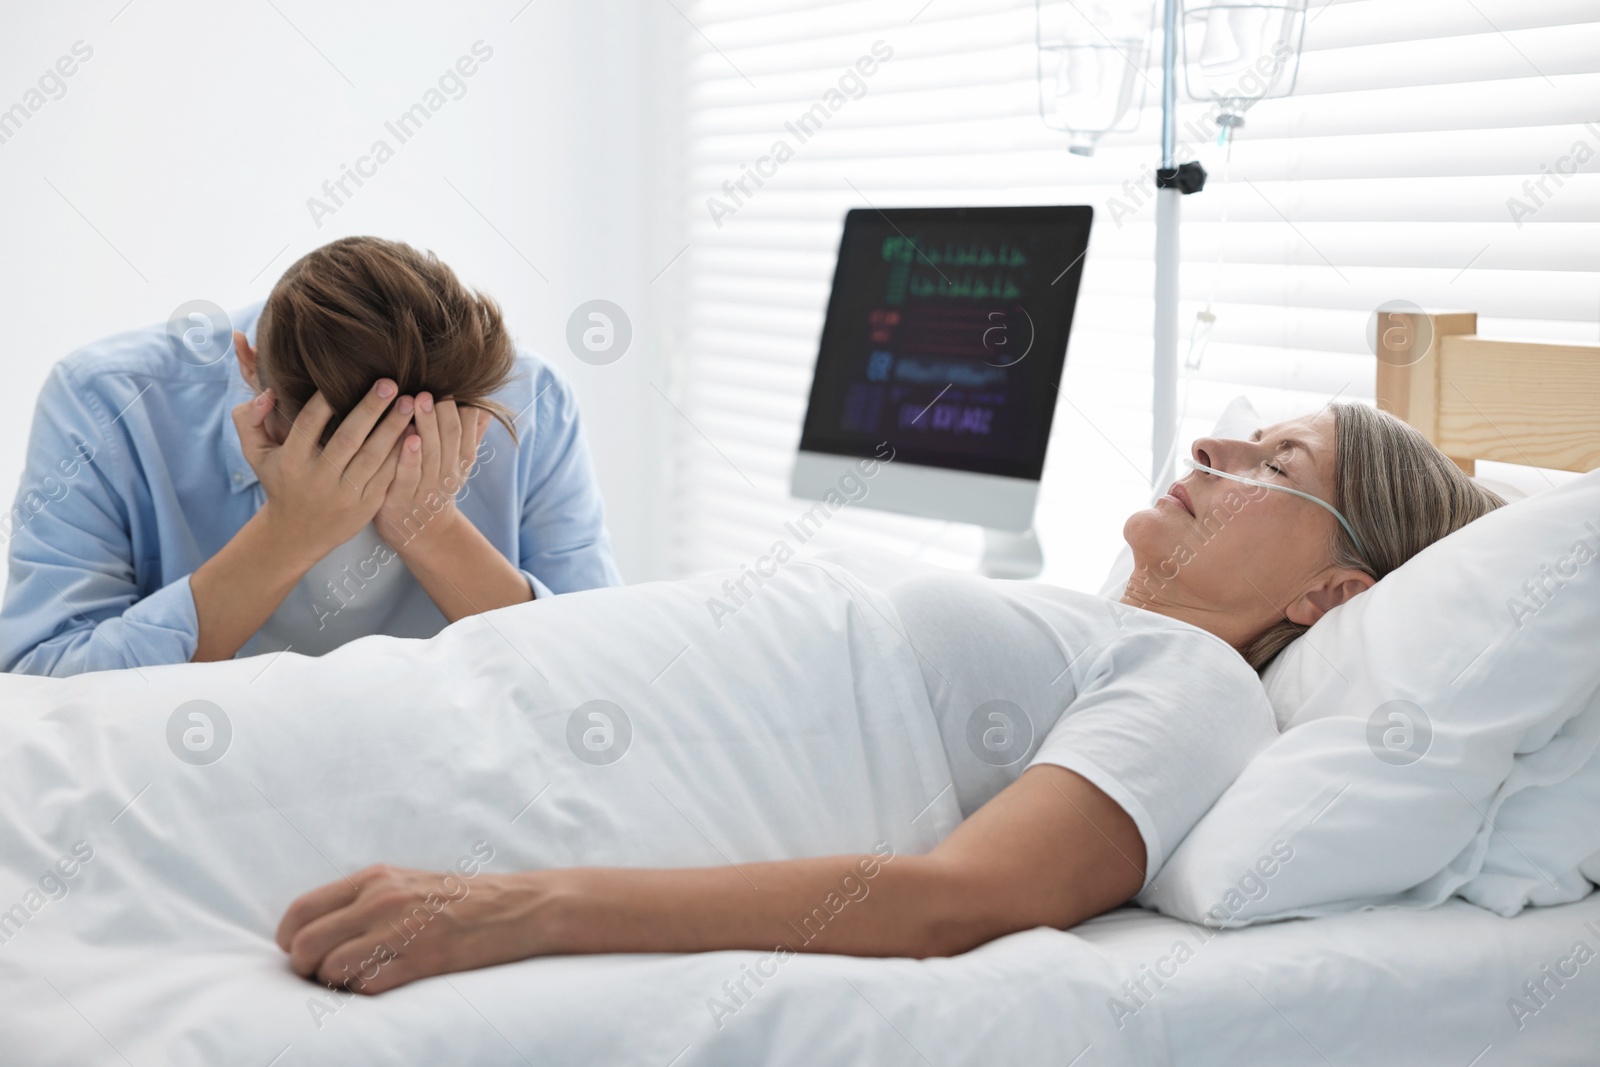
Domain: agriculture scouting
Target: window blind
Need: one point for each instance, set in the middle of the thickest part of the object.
(1413, 162)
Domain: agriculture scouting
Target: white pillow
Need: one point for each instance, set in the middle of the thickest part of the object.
(1545, 848)
(1410, 708)
(1545, 845)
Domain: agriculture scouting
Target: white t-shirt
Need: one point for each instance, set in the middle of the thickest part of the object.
(1160, 715)
(359, 588)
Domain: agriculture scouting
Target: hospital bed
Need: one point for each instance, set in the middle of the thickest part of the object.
(121, 967)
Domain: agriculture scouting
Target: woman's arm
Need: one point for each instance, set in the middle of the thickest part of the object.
(1049, 850)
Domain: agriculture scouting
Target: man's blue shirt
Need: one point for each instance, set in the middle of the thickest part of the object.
(135, 477)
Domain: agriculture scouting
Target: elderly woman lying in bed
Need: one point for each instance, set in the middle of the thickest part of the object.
(1157, 710)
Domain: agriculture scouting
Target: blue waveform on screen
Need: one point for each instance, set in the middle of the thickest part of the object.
(957, 372)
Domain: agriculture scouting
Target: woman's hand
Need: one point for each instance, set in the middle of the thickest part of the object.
(1051, 849)
(387, 926)
(436, 456)
(320, 497)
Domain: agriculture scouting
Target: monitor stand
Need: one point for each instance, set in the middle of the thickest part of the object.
(1009, 554)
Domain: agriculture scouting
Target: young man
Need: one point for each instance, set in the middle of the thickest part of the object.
(372, 456)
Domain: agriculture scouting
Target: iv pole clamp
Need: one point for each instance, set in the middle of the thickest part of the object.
(1186, 178)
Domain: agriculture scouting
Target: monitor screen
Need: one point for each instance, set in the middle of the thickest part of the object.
(946, 334)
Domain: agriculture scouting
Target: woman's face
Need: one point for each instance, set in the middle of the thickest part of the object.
(1243, 557)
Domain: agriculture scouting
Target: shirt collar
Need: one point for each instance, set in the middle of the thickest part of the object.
(240, 475)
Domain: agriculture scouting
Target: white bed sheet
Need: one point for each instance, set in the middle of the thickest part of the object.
(1389, 987)
(161, 951)
(803, 712)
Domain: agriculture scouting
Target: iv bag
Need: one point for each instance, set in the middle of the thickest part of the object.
(1235, 54)
(1092, 60)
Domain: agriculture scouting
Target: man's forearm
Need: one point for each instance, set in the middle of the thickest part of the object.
(459, 568)
(238, 589)
(867, 905)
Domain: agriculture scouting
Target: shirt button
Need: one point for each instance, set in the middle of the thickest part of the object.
(238, 477)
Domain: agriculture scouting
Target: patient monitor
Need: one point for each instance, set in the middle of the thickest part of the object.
(945, 339)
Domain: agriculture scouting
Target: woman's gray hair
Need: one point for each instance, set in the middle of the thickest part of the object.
(1399, 492)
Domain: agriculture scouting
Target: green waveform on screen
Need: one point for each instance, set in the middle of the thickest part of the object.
(977, 255)
(970, 271)
(969, 285)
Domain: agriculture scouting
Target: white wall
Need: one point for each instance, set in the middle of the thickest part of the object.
(178, 163)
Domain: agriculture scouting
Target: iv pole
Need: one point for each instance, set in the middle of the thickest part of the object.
(1012, 555)
(1172, 182)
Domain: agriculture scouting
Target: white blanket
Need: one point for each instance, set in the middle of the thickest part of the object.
(795, 725)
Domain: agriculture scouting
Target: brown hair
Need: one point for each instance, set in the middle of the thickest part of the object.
(1399, 492)
(362, 308)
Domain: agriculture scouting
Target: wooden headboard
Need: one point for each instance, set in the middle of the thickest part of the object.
(1526, 402)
